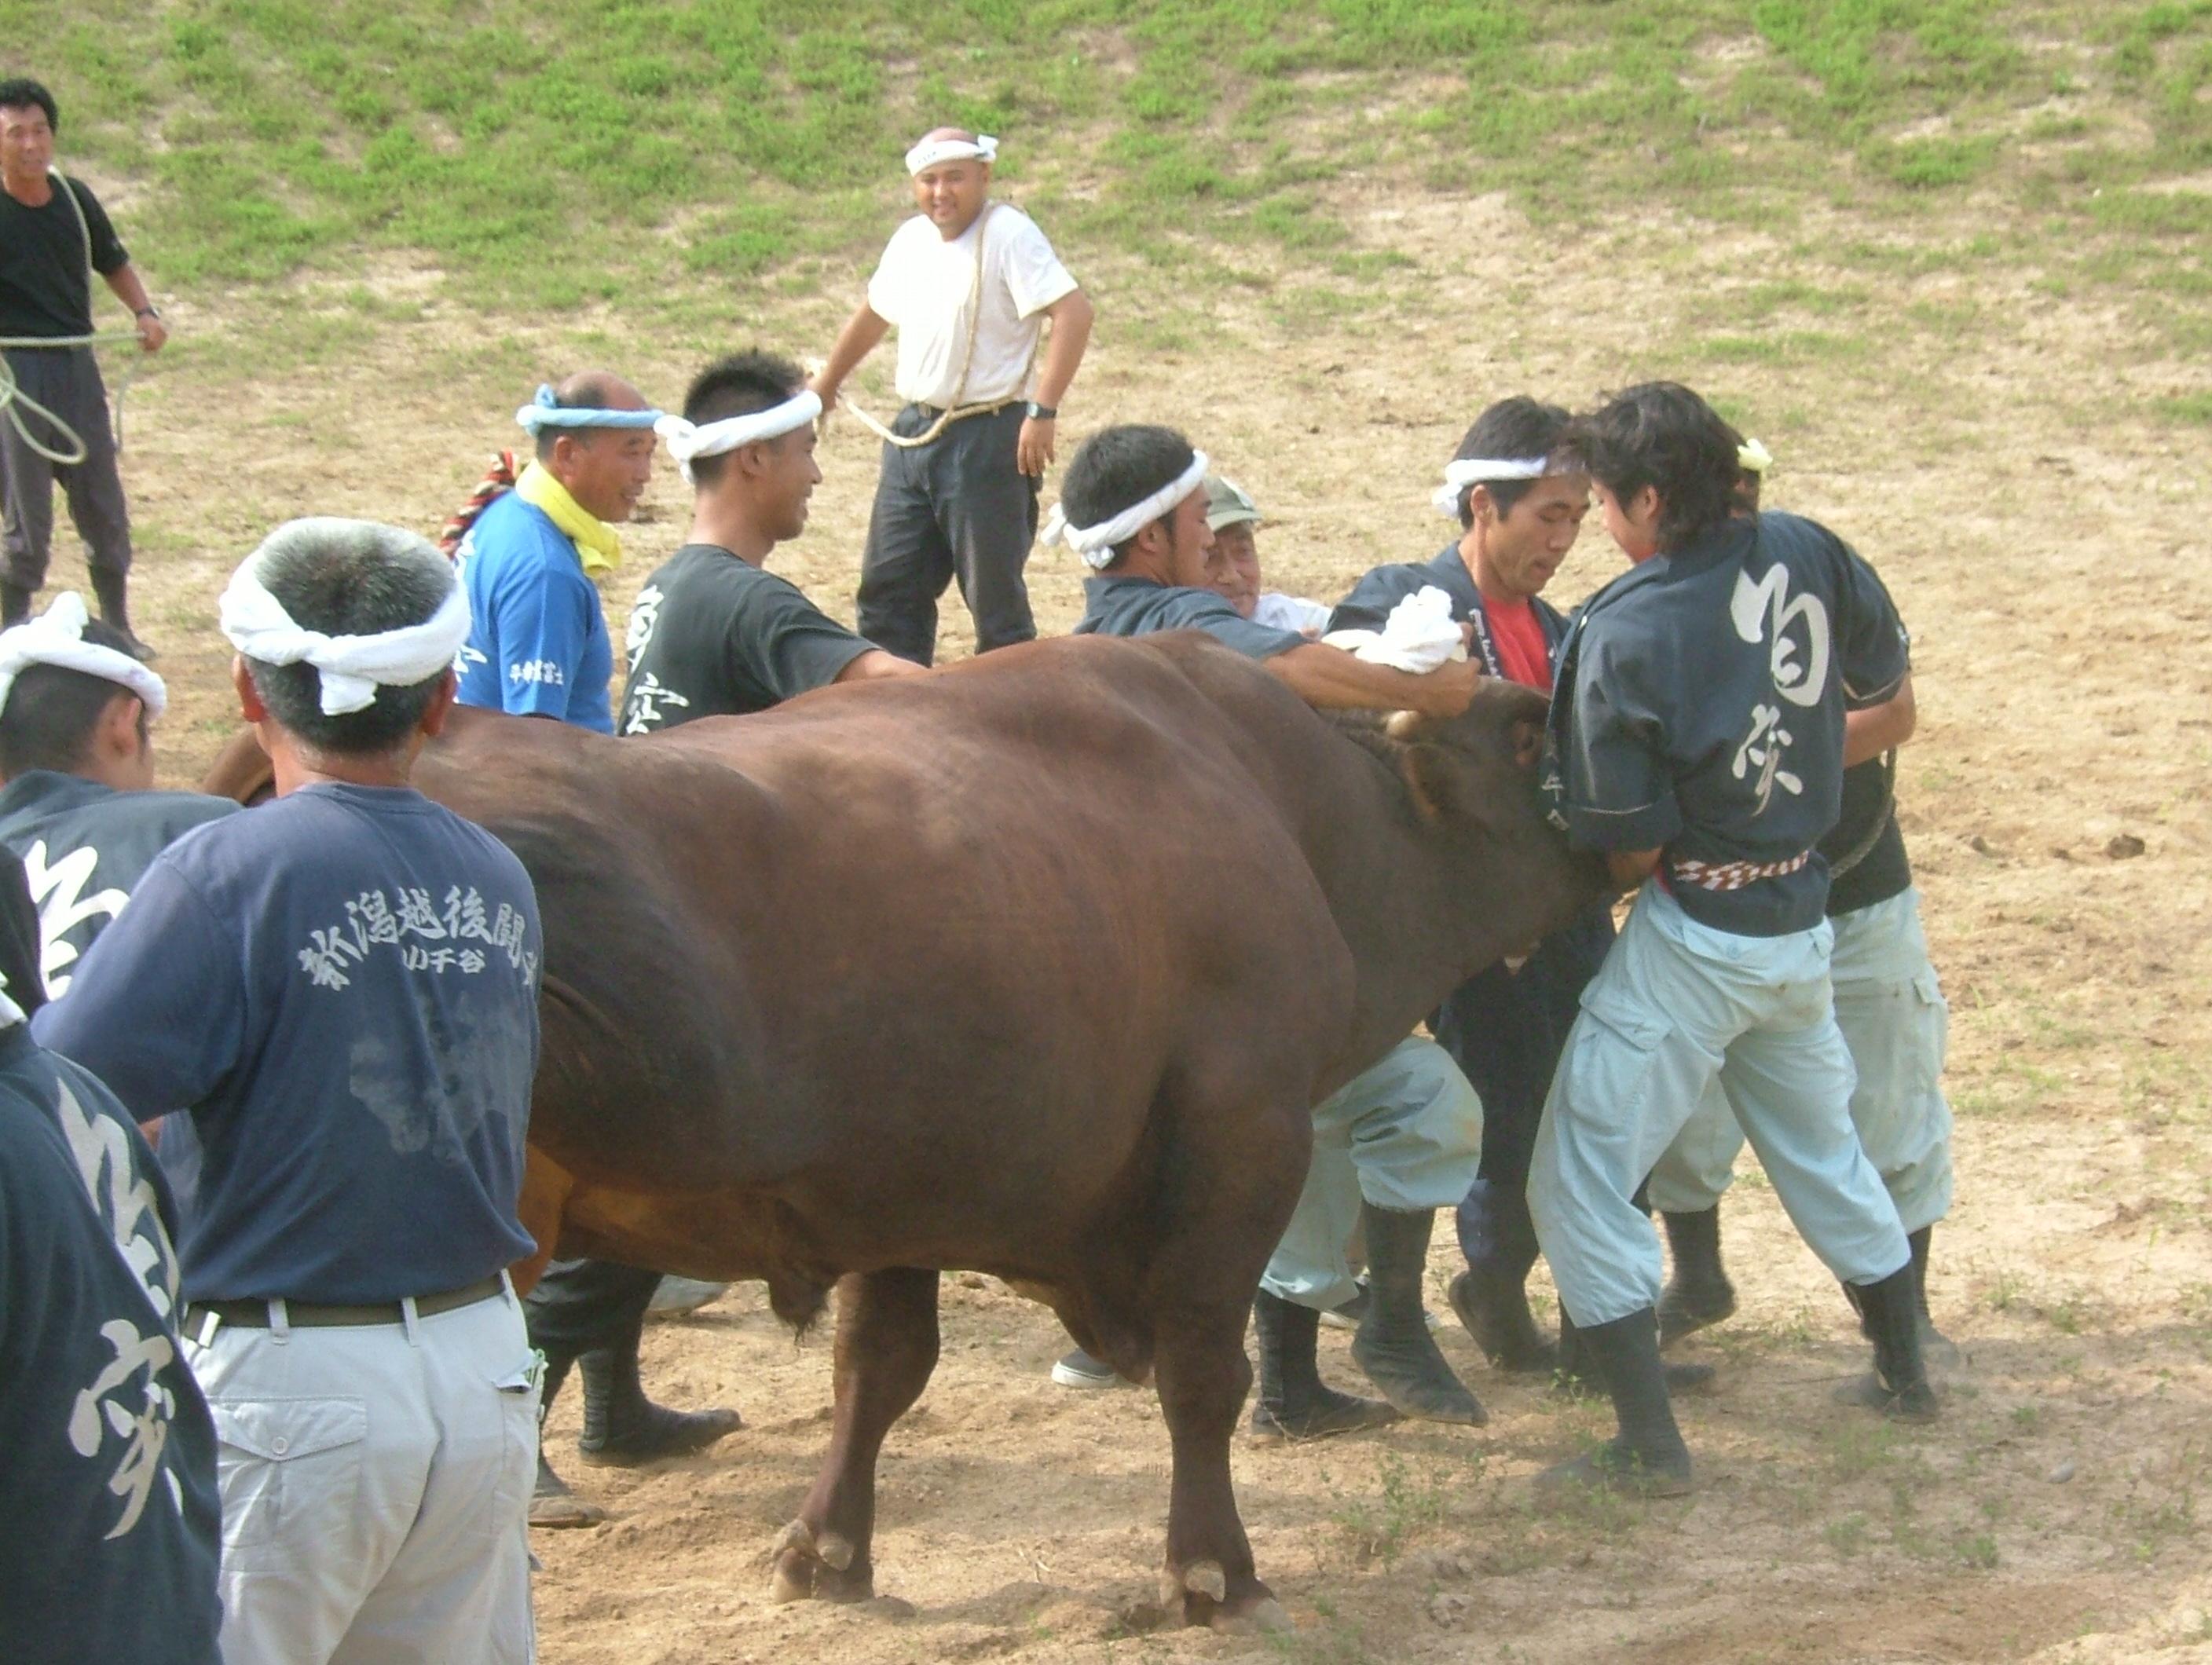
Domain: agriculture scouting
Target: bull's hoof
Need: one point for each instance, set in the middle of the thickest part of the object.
(817, 1567)
(1200, 1592)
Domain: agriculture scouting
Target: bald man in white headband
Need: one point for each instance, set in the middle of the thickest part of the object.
(969, 284)
(77, 707)
(337, 991)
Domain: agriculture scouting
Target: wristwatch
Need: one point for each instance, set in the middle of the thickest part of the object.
(148, 312)
(1041, 412)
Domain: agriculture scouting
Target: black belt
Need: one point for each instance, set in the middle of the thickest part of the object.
(305, 1315)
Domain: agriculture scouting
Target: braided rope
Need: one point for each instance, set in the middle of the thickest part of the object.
(954, 412)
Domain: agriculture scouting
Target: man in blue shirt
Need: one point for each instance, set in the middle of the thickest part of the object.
(76, 712)
(538, 638)
(1398, 1141)
(106, 1453)
(339, 989)
(1698, 741)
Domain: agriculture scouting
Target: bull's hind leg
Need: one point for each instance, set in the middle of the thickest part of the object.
(886, 1348)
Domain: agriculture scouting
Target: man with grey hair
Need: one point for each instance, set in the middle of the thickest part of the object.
(339, 991)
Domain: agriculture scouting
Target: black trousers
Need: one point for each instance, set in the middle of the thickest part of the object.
(588, 1306)
(66, 381)
(1506, 1029)
(957, 507)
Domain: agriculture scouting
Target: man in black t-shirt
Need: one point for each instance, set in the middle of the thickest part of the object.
(53, 235)
(714, 633)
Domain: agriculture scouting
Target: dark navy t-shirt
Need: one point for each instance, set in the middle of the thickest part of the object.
(44, 289)
(1700, 710)
(108, 1456)
(712, 636)
(84, 848)
(537, 637)
(1138, 607)
(341, 988)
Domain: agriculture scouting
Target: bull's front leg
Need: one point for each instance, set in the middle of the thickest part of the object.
(1203, 1377)
(886, 1348)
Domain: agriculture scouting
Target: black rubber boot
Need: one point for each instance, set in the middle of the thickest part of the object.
(1491, 1304)
(1699, 1293)
(1889, 1313)
(112, 590)
(14, 604)
(1936, 1348)
(623, 1427)
(1647, 1456)
(1393, 1344)
(552, 1504)
(1581, 1368)
(1294, 1402)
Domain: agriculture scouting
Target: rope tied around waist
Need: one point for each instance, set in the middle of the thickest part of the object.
(15, 402)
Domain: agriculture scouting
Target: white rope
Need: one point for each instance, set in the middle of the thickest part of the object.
(56, 637)
(686, 440)
(13, 401)
(352, 668)
(1096, 545)
(1461, 472)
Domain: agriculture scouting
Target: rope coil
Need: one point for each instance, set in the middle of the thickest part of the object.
(13, 401)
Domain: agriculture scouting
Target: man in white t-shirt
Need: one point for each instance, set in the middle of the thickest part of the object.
(968, 284)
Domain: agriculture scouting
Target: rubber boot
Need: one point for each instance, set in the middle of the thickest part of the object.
(1699, 1292)
(112, 590)
(1490, 1298)
(623, 1427)
(14, 604)
(1935, 1348)
(1889, 1313)
(552, 1504)
(1646, 1457)
(1393, 1344)
(1582, 1368)
(1295, 1403)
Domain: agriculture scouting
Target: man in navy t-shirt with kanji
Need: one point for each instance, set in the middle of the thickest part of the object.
(339, 991)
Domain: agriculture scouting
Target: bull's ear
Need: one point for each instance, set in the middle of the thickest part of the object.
(1440, 781)
(1527, 737)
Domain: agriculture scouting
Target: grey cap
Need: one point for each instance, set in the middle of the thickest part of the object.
(1227, 503)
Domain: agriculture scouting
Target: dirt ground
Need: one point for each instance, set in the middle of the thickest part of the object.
(1985, 443)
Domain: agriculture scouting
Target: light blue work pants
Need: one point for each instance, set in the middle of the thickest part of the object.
(1676, 1007)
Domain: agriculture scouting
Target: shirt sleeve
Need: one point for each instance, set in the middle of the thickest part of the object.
(544, 620)
(1033, 276)
(1619, 791)
(784, 642)
(1871, 637)
(893, 279)
(157, 1007)
(108, 254)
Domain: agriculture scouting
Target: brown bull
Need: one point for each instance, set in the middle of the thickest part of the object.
(1032, 967)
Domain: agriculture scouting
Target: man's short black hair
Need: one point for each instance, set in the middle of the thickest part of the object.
(1660, 433)
(1519, 427)
(589, 390)
(348, 578)
(1118, 467)
(50, 713)
(20, 93)
(736, 386)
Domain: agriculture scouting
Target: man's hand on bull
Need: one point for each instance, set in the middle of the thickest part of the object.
(1330, 678)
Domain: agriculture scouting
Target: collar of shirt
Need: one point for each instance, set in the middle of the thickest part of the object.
(597, 545)
(49, 789)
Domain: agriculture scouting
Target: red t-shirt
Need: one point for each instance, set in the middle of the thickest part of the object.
(1518, 635)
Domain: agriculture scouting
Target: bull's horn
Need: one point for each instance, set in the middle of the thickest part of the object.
(1404, 725)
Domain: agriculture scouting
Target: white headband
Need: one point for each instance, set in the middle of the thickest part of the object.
(56, 637)
(686, 440)
(352, 667)
(1752, 458)
(1461, 472)
(1095, 544)
(930, 152)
